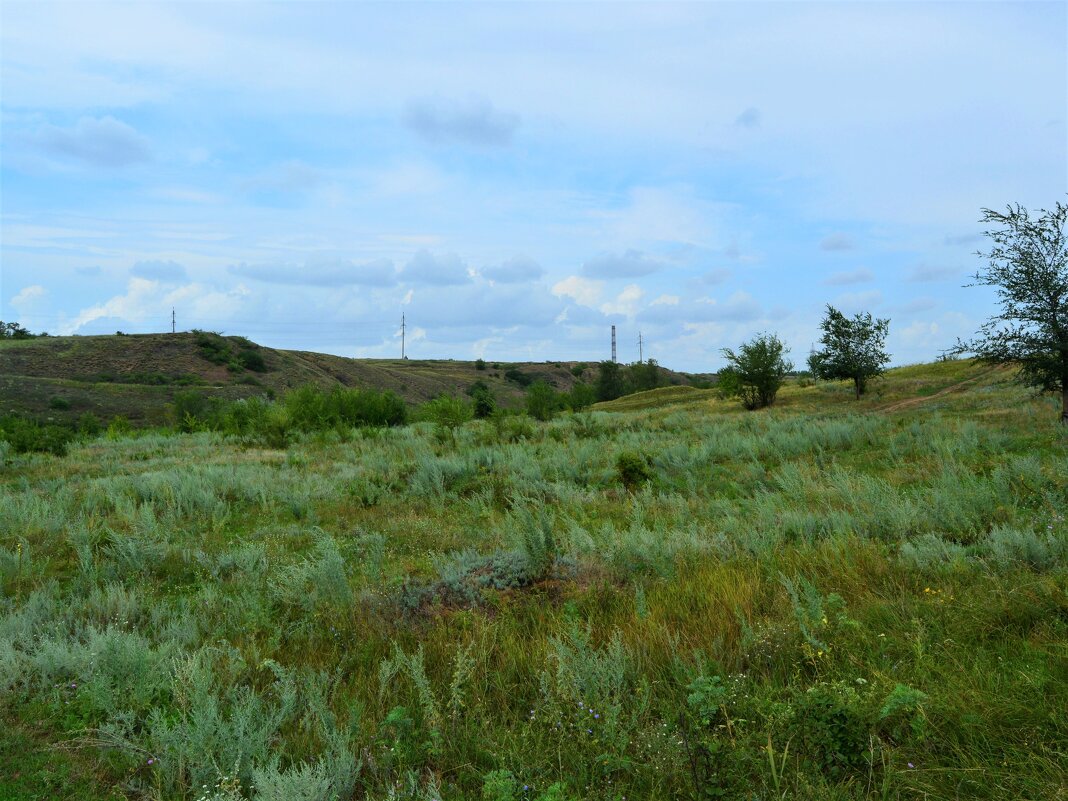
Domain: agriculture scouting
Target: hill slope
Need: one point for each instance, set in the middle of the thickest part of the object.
(138, 375)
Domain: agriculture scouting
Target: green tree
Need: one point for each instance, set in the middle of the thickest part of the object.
(542, 401)
(644, 375)
(756, 371)
(482, 397)
(582, 396)
(1028, 263)
(14, 331)
(609, 381)
(852, 349)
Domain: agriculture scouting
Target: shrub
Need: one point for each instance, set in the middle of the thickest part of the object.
(447, 412)
(480, 364)
(542, 401)
(58, 403)
(756, 371)
(633, 469)
(252, 360)
(519, 377)
(582, 396)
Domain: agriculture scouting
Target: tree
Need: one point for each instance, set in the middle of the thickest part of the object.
(852, 349)
(609, 381)
(756, 371)
(542, 401)
(485, 404)
(14, 331)
(1028, 263)
(644, 375)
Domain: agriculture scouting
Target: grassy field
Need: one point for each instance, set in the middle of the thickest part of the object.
(665, 598)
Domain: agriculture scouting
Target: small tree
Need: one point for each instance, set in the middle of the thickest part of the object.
(1028, 263)
(756, 371)
(542, 401)
(485, 404)
(852, 349)
(609, 381)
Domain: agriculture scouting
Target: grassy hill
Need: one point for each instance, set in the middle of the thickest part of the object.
(137, 375)
(828, 600)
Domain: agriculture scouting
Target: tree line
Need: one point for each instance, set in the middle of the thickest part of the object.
(1027, 264)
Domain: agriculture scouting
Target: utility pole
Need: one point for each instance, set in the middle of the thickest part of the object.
(172, 320)
(402, 336)
(641, 357)
(613, 343)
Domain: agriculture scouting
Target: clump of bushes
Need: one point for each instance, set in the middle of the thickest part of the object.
(308, 408)
(218, 349)
(633, 469)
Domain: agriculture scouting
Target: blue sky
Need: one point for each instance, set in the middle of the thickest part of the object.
(516, 178)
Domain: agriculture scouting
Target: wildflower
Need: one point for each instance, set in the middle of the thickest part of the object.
(911, 765)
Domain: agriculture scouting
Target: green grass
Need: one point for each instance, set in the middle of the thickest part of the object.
(822, 600)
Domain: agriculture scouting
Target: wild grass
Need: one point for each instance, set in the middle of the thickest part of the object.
(678, 601)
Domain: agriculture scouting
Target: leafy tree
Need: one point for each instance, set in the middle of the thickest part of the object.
(644, 375)
(582, 396)
(483, 399)
(852, 349)
(756, 371)
(542, 401)
(1028, 263)
(14, 331)
(609, 381)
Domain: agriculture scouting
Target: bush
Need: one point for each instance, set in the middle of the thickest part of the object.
(28, 436)
(58, 403)
(480, 364)
(482, 397)
(542, 401)
(447, 412)
(519, 377)
(755, 372)
(633, 469)
(252, 360)
(582, 396)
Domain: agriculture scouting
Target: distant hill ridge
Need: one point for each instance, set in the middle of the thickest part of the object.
(137, 375)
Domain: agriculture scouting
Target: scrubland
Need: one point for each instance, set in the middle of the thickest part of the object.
(676, 599)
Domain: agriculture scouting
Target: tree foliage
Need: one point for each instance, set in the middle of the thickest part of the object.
(1028, 264)
(16, 331)
(756, 371)
(610, 384)
(542, 401)
(852, 349)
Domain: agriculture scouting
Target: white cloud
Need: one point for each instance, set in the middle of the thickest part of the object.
(104, 142)
(581, 290)
(28, 295)
(446, 269)
(474, 121)
(666, 300)
(516, 270)
(626, 302)
(631, 264)
(837, 241)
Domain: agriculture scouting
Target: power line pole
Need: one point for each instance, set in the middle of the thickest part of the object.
(172, 320)
(613, 343)
(641, 357)
(402, 336)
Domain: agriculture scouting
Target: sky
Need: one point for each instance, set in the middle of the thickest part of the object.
(515, 178)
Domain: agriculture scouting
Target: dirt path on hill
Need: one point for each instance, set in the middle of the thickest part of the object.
(909, 402)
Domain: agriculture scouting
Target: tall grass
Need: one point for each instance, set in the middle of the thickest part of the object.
(789, 605)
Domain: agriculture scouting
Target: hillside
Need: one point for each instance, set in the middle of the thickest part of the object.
(840, 600)
(137, 375)
(964, 385)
